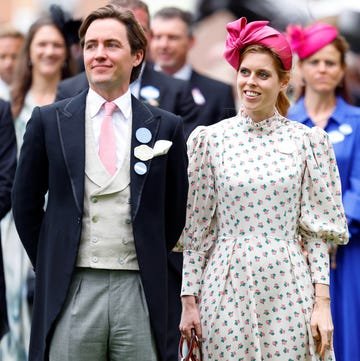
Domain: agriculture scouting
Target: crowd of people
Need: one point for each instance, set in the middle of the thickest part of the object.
(142, 201)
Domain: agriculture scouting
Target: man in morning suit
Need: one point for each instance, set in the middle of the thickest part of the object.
(7, 172)
(115, 172)
(172, 39)
(173, 95)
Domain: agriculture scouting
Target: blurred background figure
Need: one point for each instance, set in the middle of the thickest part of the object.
(11, 41)
(44, 60)
(353, 77)
(7, 172)
(324, 102)
(172, 39)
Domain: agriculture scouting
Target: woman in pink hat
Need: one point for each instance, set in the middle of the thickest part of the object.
(261, 187)
(324, 103)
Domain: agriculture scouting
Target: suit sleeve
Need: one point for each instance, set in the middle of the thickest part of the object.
(7, 171)
(177, 187)
(187, 108)
(7, 157)
(31, 185)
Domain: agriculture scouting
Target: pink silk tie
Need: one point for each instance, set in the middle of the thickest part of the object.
(107, 141)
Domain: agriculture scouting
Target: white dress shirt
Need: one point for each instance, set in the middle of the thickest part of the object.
(135, 85)
(4, 90)
(122, 119)
(183, 73)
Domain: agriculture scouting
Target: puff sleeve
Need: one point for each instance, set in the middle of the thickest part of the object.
(322, 218)
(200, 230)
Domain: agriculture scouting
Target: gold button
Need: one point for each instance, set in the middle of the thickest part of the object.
(95, 219)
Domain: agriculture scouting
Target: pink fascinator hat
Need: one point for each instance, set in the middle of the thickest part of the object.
(307, 41)
(241, 34)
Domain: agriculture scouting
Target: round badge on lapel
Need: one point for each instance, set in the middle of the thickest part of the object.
(346, 129)
(143, 135)
(198, 97)
(149, 92)
(140, 168)
(336, 137)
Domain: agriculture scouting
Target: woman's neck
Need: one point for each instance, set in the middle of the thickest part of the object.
(320, 107)
(43, 90)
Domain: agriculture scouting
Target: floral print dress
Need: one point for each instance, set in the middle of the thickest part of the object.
(264, 204)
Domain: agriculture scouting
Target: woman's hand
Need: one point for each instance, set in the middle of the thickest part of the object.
(190, 317)
(321, 325)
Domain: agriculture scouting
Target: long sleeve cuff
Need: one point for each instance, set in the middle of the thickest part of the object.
(193, 266)
(318, 256)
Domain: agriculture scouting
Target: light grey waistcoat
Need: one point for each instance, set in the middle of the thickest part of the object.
(107, 240)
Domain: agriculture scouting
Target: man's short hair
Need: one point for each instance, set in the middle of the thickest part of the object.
(130, 4)
(171, 12)
(7, 31)
(135, 33)
(133, 5)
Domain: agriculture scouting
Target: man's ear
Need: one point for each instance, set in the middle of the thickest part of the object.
(138, 57)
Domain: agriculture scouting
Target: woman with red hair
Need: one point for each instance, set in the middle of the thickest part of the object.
(261, 187)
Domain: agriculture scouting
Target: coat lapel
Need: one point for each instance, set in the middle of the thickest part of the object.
(142, 118)
(71, 126)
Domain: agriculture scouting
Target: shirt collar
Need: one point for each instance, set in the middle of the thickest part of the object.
(183, 73)
(95, 101)
(337, 116)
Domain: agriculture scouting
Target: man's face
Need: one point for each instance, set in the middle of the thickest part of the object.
(9, 50)
(107, 57)
(170, 43)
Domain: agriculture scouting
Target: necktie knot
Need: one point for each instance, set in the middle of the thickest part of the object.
(109, 108)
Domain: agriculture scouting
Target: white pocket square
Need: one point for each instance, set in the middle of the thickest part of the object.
(144, 152)
(161, 147)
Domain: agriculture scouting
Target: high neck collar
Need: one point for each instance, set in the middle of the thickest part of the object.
(266, 125)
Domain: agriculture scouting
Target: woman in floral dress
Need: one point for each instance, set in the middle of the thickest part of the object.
(264, 205)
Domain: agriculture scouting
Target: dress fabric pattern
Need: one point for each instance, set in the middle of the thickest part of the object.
(261, 195)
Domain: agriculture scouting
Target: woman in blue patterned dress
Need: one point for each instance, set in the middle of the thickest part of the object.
(261, 187)
(324, 102)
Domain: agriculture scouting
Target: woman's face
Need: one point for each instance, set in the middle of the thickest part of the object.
(323, 71)
(48, 51)
(258, 85)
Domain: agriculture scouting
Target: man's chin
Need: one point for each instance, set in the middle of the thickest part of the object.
(99, 81)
